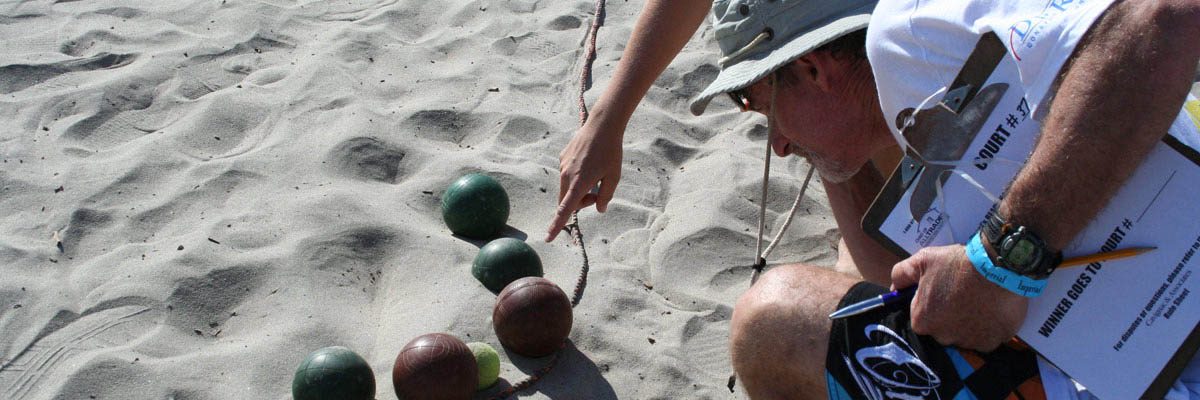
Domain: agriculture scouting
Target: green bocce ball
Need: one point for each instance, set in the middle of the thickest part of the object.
(504, 260)
(475, 206)
(333, 373)
(489, 364)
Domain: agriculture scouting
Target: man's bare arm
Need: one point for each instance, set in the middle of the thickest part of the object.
(594, 154)
(661, 31)
(1118, 95)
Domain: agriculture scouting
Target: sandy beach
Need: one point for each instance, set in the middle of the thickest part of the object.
(235, 184)
(196, 195)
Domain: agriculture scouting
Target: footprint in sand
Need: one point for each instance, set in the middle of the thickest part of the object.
(522, 130)
(564, 22)
(84, 223)
(351, 258)
(369, 159)
(692, 82)
(212, 69)
(441, 125)
(69, 352)
(114, 116)
(202, 302)
(675, 153)
(534, 45)
(79, 46)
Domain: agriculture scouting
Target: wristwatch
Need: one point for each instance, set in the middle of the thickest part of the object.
(1017, 249)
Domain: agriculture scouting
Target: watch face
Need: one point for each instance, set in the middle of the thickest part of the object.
(1023, 254)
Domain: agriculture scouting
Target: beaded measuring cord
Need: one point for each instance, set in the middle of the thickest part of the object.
(585, 82)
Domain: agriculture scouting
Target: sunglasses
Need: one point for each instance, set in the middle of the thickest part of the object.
(740, 99)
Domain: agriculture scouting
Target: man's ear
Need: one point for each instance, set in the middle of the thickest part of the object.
(816, 69)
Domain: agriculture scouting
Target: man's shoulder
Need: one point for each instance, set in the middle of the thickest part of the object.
(915, 48)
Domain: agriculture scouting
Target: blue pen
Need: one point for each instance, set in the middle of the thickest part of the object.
(885, 299)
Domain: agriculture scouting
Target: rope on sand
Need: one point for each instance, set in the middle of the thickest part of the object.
(585, 82)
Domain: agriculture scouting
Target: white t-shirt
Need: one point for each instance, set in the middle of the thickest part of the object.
(917, 47)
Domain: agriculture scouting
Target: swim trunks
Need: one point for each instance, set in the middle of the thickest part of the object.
(876, 355)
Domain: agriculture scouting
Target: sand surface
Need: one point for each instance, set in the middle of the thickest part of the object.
(237, 183)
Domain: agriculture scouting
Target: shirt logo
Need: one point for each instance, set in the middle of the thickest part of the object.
(1024, 34)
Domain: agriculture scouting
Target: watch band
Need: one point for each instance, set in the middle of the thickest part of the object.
(1013, 282)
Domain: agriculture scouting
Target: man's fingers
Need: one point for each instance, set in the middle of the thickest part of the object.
(587, 201)
(566, 206)
(905, 274)
(561, 221)
(608, 187)
(564, 183)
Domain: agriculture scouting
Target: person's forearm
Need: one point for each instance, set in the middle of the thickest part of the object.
(1117, 98)
(850, 201)
(661, 31)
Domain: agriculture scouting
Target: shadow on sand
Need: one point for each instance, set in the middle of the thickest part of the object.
(574, 376)
(508, 231)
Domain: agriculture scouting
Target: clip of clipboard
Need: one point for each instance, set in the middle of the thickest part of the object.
(938, 134)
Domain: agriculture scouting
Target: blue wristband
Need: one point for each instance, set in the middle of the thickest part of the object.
(1016, 283)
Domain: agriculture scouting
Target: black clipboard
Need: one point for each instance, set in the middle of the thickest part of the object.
(962, 98)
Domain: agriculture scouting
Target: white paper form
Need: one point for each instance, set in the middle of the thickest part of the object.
(1114, 325)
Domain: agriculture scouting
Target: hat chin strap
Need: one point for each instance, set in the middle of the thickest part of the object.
(760, 260)
(741, 53)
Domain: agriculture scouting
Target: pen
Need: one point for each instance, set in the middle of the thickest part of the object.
(901, 295)
(906, 294)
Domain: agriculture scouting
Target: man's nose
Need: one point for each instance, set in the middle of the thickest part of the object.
(779, 143)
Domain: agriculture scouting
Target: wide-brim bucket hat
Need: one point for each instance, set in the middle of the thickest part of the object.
(757, 37)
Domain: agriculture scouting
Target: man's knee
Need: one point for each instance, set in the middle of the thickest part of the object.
(780, 331)
(767, 304)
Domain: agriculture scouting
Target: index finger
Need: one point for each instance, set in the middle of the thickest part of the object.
(565, 208)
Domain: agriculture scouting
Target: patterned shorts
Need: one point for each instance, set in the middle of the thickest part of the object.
(876, 355)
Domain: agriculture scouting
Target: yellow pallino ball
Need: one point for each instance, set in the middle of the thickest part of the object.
(489, 364)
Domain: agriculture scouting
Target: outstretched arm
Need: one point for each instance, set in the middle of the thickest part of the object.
(1117, 97)
(594, 153)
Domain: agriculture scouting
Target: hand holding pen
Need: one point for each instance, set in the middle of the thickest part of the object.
(906, 294)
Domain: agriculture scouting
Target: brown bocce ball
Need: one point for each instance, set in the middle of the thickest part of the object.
(532, 316)
(435, 366)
